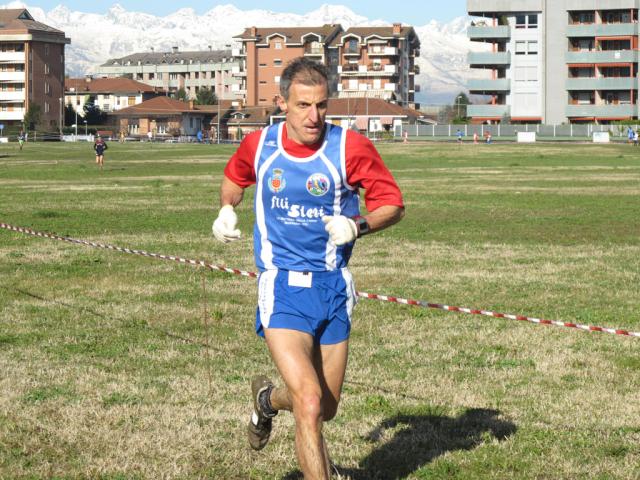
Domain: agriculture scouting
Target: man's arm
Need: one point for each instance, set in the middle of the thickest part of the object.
(230, 193)
(383, 217)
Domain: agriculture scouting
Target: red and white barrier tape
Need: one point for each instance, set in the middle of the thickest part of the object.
(373, 296)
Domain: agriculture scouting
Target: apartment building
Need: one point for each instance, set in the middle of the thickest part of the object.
(377, 62)
(555, 61)
(264, 53)
(171, 71)
(31, 69)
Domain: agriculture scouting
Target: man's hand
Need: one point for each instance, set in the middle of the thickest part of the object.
(224, 227)
(341, 229)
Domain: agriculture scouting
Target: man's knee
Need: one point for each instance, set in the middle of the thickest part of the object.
(307, 406)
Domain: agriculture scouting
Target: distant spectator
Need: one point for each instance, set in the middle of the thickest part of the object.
(635, 138)
(150, 135)
(100, 146)
(630, 134)
(487, 136)
(475, 137)
(459, 134)
(21, 139)
(199, 136)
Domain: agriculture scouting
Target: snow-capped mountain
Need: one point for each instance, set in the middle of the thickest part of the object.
(97, 37)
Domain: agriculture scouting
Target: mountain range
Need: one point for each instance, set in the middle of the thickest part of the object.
(97, 37)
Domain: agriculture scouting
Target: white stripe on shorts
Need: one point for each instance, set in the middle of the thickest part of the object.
(352, 299)
(266, 297)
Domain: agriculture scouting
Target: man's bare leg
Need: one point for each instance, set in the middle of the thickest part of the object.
(313, 377)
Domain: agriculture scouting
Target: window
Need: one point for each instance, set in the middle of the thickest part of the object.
(151, 76)
(46, 49)
(105, 107)
(46, 107)
(521, 21)
(46, 69)
(533, 48)
(521, 48)
(277, 62)
(160, 76)
(263, 82)
(173, 76)
(533, 21)
(276, 79)
(262, 65)
(277, 45)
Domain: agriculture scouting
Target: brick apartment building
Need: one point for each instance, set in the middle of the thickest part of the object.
(375, 62)
(31, 69)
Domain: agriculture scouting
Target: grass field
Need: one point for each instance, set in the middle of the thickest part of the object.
(115, 366)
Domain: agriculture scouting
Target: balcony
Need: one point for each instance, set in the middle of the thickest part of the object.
(602, 56)
(12, 96)
(390, 87)
(602, 30)
(351, 52)
(15, 114)
(488, 59)
(12, 76)
(617, 83)
(479, 33)
(238, 52)
(376, 70)
(313, 52)
(602, 111)
(489, 85)
(488, 111)
(374, 51)
(12, 57)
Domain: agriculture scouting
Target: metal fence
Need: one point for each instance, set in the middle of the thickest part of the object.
(509, 132)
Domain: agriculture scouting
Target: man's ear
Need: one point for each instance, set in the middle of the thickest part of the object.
(282, 103)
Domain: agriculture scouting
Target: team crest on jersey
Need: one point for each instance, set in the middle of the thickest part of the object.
(276, 180)
(318, 184)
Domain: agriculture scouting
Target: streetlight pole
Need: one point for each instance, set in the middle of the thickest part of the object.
(218, 119)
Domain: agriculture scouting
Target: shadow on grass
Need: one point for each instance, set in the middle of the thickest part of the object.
(420, 439)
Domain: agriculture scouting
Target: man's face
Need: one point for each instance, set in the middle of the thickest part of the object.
(306, 110)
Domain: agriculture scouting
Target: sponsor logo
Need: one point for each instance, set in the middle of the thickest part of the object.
(318, 184)
(296, 211)
(270, 143)
(276, 181)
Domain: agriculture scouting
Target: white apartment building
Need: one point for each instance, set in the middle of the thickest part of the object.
(555, 62)
(170, 71)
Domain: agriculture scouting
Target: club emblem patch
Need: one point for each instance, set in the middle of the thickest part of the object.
(276, 181)
(318, 184)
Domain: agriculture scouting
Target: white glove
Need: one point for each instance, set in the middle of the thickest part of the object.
(224, 227)
(341, 229)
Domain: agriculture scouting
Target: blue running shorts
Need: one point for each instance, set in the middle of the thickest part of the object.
(317, 303)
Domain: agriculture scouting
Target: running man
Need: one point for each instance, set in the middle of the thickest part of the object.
(307, 175)
(100, 146)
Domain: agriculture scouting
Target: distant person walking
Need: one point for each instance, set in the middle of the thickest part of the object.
(21, 139)
(100, 146)
(630, 134)
(459, 134)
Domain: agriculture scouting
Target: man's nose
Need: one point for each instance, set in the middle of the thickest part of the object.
(313, 113)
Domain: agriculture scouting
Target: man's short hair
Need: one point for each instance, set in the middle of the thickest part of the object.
(305, 71)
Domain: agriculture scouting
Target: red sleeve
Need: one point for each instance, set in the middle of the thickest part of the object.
(240, 167)
(365, 169)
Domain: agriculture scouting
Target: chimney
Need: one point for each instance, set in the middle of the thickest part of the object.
(88, 78)
(210, 47)
(396, 28)
(253, 31)
(174, 49)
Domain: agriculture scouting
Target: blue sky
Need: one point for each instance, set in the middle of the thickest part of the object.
(414, 12)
